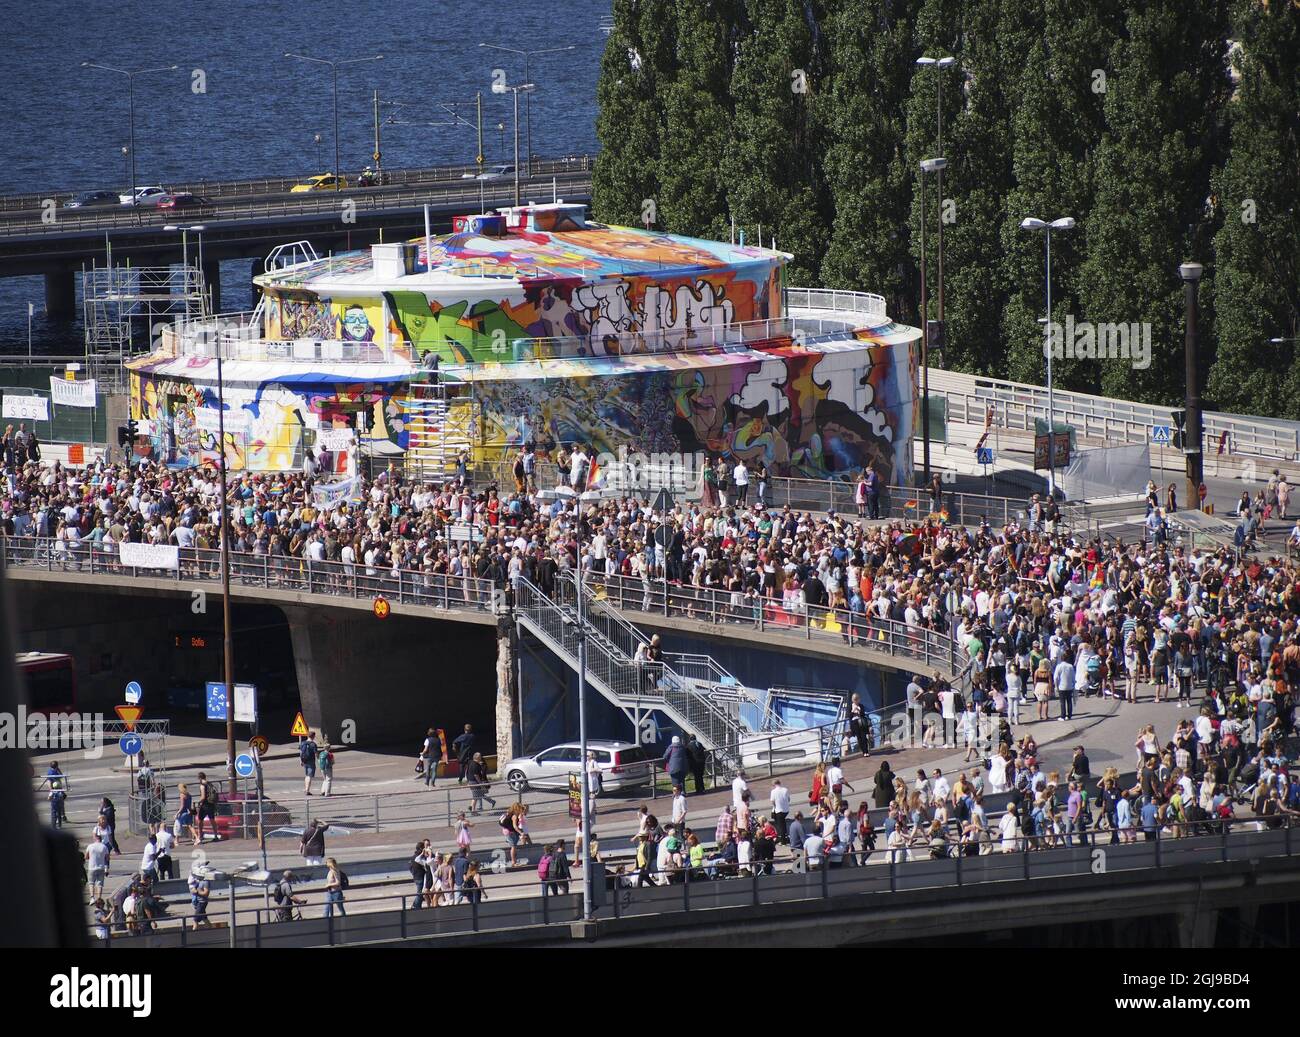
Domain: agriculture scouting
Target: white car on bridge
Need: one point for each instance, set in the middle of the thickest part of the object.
(146, 196)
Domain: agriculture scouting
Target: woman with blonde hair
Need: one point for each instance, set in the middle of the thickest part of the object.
(818, 785)
(1042, 688)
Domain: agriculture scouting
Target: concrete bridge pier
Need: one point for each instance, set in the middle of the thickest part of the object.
(212, 282)
(61, 295)
(379, 682)
(1197, 926)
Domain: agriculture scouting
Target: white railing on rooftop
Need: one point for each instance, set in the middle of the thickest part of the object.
(238, 336)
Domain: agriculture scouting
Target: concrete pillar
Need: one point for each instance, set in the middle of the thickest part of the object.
(507, 719)
(382, 682)
(61, 295)
(1197, 927)
(212, 283)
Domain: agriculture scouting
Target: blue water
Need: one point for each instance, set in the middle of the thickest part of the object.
(66, 125)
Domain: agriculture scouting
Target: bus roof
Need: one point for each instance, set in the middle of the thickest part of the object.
(29, 658)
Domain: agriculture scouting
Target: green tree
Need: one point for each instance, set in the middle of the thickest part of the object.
(1164, 117)
(772, 164)
(629, 122)
(697, 120)
(1057, 123)
(866, 175)
(1256, 288)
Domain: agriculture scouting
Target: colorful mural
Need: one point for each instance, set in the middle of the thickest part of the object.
(264, 423)
(801, 412)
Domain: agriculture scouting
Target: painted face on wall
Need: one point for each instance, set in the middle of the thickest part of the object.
(356, 325)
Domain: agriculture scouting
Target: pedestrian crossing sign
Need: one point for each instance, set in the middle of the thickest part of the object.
(984, 455)
(1160, 435)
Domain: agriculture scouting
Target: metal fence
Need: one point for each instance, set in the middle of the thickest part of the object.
(226, 189)
(934, 650)
(405, 586)
(796, 879)
(473, 192)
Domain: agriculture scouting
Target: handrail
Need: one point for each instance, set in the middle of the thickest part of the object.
(883, 871)
(280, 572)
(628, 684)
(719, 608)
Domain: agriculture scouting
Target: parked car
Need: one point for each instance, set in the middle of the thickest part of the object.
(180, 200)
(91, 198)
(622, 765)
(148, 196)
(324, 182)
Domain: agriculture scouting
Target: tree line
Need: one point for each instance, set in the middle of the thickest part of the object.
(1169, 130)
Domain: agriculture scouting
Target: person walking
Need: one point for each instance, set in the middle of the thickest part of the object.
(884, 786)
(740, 476)
(312, 845)
(679, 808)
(426, 766)
(208, 799)
(96, 866)
(463, 746)
(478, 784)
(335, 883)
(325, 764)
(781, 810)
(699, 757)
(1063, 681)
(184, 817)
(676, 761)
(307, 757)
(860, 725)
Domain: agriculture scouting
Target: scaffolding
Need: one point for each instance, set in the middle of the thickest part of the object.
(440, 423)
(125, 310)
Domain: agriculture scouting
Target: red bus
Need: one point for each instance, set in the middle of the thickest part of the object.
(51, 681)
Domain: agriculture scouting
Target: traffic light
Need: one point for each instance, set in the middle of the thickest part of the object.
(126, 433)
(1178, 419)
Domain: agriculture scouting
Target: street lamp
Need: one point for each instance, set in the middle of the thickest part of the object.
(130, 89)
(316, 140)
(334, 64)
(198, 228)
(1064, 223)
(1281, 341)
(940, 64)
(528, 75)
(250, 872)
(525, 87)
(501, 129)
(929, 165)
(1191, 275)
(126, 167)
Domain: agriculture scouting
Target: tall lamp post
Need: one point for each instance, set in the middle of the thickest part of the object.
(1064, 223)
(525, 87)
(940, 64)
(1191, 275)
(130, 90)
(334, 64)
(528, 75)
(929, 165)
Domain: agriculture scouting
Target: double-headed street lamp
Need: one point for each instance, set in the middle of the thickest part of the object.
(334, 64)
(526, 88)
(528, 104)
(929, 165)
(130, 89)
(940, 64)
(1064, 223)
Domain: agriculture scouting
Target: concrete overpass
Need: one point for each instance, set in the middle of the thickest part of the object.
(60, 242)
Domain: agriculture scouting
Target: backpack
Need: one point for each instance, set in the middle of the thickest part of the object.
(305, 752)
(544, 867)
(210, 796)
(280, 897)
(344, 882)
(324, 759)
(504, 821)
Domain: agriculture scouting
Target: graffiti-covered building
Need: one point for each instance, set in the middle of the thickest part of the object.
(537, 324)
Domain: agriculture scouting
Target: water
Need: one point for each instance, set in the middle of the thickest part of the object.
(67, 125)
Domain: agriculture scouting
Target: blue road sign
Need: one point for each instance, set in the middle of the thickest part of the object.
(216, 700)
(244, 765)
(1160, 435)
(130, 744)
(984, 455)
(133, 693)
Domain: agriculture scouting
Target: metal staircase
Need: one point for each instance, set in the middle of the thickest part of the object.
(699, 704)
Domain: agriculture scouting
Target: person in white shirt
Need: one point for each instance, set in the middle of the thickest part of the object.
(738, 789)
(679, 808)
(1008, 830)
(166, 840)
(740, 476)
(948, 707)
(835, 780)
(781, 810)
(940, 787)
(96, 866)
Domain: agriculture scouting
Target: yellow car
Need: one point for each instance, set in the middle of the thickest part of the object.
(324, 182)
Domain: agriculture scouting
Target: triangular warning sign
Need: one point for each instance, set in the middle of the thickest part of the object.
(129, 715)
(299, 725)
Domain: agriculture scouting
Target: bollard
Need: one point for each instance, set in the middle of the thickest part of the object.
(376, 813)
